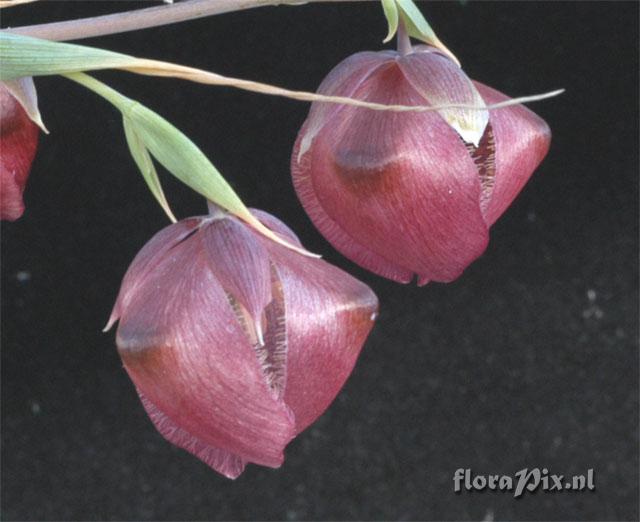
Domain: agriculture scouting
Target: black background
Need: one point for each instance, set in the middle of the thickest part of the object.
(528, 360)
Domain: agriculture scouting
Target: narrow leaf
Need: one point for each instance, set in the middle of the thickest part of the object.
(145, 164)
(411, 13)
(418, 27)
(391, 13)
(179, 155)
(25, 56)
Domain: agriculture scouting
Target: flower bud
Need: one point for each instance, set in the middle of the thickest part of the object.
(18, 142)
(404, 193)
(235, 343)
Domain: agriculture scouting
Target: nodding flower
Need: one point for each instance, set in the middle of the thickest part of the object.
(413, 193)
(236, 343)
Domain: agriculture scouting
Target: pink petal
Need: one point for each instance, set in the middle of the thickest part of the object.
(440, 81)
(18, 142)
(522, 140)
(330, 229)
(222, 461)
(147, 259)
(241, 265)
(185, 350)
(328, 317)
(401, 185)
(343, 80)
(11, 203)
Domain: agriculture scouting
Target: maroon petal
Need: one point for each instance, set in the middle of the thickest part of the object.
(331, 230)
(401, 185)
(18, 142)
(522, 140)
(187, 353)
(343, 80)
(241, 264)
(222, 461)
(147, 259)
(328, 317)
(440, 81)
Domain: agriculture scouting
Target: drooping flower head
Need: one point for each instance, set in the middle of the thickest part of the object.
(18, 143)
(412, 193)
(235, 343)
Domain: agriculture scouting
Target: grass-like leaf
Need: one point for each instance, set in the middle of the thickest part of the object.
(177, 153)
(142, 158)
(25, 56)
(391, 13)
(416, 25)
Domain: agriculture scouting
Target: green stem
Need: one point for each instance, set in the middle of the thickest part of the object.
(120, 101)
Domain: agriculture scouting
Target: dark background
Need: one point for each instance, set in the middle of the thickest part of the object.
(528, 360)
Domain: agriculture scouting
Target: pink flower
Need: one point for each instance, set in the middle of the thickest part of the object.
(18, 143)
(235, 343)
(404, 193)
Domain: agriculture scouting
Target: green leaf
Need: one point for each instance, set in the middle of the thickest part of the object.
(417, 25)
(27, 56)
(145, 164)
(24, 56)
(177, 153)
(391, 13)
(407, 13)
(180, 156)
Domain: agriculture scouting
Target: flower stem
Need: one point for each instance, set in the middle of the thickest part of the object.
(101, 89)
(404, 43)
(145, 18)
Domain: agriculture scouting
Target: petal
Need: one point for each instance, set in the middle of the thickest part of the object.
(522, 140)
(18, 142)
(440, 81)
(330, 229)
(185, 350)
(328, 317)
(343, 80)
(401, 185)
(241, 265)
(11, 203)
(222, 461)
(147, 260)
